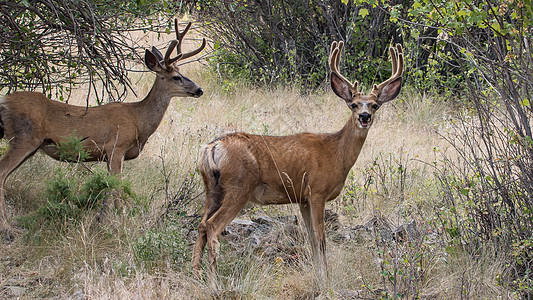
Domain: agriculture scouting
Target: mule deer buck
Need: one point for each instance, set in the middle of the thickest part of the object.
(307, 169)
(112, 132)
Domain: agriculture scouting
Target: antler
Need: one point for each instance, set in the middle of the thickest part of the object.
(334, 62)
(397, 69)
(180, 35)
(168, 60)
(177, 44)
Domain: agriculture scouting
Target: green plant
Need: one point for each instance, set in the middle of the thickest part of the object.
(160, 247)
(71, 149)
(287, 42)
(71, 196)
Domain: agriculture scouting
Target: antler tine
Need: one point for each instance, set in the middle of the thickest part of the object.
(334, 63)
(168, 60)
(181, 35)
(194, 52)
(397, 68)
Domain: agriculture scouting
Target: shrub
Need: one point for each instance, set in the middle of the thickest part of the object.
(71, 149)
(161, 247)
(287, 42)
(68, 198)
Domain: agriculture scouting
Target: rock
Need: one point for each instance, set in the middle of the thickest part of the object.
(265, 220)
(78, 295)
(406, 232)
(240, 227)
(350, 294)
(381, 228)
(15, 291)
(254, 241)
(288, 219)
(331, 219)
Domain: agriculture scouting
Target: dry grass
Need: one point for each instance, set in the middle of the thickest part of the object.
(88, 259)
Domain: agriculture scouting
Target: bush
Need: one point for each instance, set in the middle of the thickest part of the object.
(487, 191)
(70, 194)
(68, 199)
(71, 149)
(162, 247)
(287, 42)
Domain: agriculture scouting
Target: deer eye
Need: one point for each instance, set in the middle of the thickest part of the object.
(375, 106)
(353, 105)
(177, 78)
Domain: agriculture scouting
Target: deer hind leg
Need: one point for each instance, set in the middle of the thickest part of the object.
(233, 201)
(209, 208)
(18, 152)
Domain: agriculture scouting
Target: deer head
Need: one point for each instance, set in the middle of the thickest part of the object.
(166, 68)
(364, 106)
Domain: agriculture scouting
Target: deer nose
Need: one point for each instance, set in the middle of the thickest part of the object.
(199, 92)
(364, 119)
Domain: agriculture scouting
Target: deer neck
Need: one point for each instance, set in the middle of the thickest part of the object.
(349, 141)
(152, 108)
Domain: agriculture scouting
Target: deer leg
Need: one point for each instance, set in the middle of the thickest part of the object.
(199, 246)
(234, 200)
(305, 210)
(198, 250)
(114, 163)
(317, 208)
(14, 157)
(114, 167)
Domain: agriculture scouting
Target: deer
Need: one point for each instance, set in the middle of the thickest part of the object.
(307, 169)
(112, 132)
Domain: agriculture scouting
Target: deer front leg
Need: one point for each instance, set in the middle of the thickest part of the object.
(313, 215)
(114, 166)
(305, 210)
(115, 161)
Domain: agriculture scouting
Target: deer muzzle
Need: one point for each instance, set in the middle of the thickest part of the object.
(364, 119)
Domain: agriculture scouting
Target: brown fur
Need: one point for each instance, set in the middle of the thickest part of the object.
(306, 169)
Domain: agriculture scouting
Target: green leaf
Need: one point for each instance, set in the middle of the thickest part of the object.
(525, 102)
(363, 12)
(496, 27)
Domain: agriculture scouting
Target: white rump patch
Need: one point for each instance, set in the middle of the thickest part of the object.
(219, 154)
(213, 156)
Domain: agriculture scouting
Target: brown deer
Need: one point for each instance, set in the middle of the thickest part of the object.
(112, 132)
(307, 169)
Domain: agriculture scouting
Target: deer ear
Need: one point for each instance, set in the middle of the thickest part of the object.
(390, 91)
(152, 62)
(157, 54)
(340, 88)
